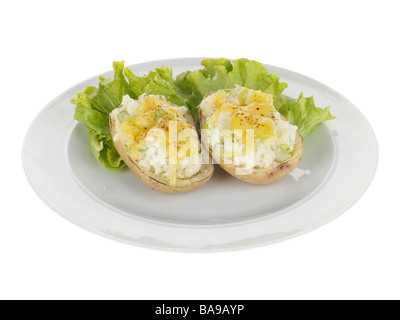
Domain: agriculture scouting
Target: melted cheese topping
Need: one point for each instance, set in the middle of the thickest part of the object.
(249, 119)
(158, 137)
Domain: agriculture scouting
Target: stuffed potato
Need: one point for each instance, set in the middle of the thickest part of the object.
(158, 142)
(247, 136)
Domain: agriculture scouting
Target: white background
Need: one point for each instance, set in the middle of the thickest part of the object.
(48, 46)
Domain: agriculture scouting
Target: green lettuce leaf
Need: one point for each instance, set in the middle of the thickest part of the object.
(221, 73)
(191, 96)
(93, 106)
(303, 113)
(102, 148)
(157, 82)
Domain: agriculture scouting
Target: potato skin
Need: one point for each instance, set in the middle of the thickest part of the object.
(150, 180)
(257, 176)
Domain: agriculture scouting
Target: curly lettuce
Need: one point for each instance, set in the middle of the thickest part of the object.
(223, 74)
(303, 113)
(94, 104)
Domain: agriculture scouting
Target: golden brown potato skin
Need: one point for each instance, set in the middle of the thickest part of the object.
(258, 176)
(183, 185)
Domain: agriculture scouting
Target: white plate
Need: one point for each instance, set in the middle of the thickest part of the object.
(339, 162)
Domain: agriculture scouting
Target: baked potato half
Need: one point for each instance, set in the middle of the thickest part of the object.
(141, 131)
(274, 146)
